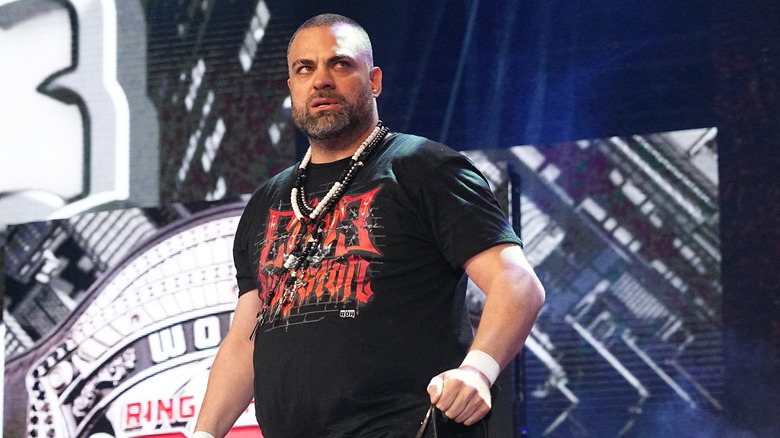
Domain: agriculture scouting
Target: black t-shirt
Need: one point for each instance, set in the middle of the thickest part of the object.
(379, 312)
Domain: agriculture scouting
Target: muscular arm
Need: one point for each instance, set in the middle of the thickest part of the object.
(514, 297)
(230, 386)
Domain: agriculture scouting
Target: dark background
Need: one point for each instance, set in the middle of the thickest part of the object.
(479, 74)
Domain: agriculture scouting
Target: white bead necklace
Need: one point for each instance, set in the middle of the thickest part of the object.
(306, 213)
(311, 233)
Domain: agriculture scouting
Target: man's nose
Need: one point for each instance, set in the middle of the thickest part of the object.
(323, 79)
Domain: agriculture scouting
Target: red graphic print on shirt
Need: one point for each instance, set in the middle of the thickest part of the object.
(339, 267)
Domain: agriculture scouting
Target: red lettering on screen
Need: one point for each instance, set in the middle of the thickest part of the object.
(159, 411)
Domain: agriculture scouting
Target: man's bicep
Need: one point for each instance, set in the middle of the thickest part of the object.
(489, 264)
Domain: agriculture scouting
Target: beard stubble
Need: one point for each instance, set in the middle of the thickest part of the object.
(330, 126)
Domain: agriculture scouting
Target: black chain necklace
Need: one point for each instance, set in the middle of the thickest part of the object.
(307, 213)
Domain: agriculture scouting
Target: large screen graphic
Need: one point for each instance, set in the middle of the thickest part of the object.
(623, 232)
(129, 103)
(132, 356)
(114, 317)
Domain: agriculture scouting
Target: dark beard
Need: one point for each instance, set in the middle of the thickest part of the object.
(341, 124)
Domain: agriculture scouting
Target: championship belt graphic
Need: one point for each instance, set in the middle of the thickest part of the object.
(134, 357)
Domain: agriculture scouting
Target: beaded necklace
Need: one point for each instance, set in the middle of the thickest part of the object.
(312, 219)
(306, 213)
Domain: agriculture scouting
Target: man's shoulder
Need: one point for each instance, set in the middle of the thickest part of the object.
(279, 182)
(415, 147)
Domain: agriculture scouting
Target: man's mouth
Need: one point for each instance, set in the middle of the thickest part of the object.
(321, 103)
(325, 101)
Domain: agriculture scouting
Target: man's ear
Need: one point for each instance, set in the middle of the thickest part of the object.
(376, 81)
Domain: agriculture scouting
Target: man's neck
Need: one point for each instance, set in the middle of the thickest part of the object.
(328, 151)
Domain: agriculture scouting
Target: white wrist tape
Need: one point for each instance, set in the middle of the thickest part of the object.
(202, 434)
(483, 362)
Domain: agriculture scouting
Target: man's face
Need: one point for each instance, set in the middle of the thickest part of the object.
(331, 84)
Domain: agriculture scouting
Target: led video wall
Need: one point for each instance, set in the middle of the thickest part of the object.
(117, 315)
(159, 116)
(623, 233)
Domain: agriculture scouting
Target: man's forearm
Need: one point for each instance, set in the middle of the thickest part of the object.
(509, 314)
(230, 387)
(514, 296)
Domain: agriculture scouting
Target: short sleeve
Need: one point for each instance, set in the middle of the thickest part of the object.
(464, 215)
(243, 244)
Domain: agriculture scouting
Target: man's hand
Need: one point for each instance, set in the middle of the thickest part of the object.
(463, 394)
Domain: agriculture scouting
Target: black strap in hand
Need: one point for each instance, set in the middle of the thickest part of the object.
(442, 427)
